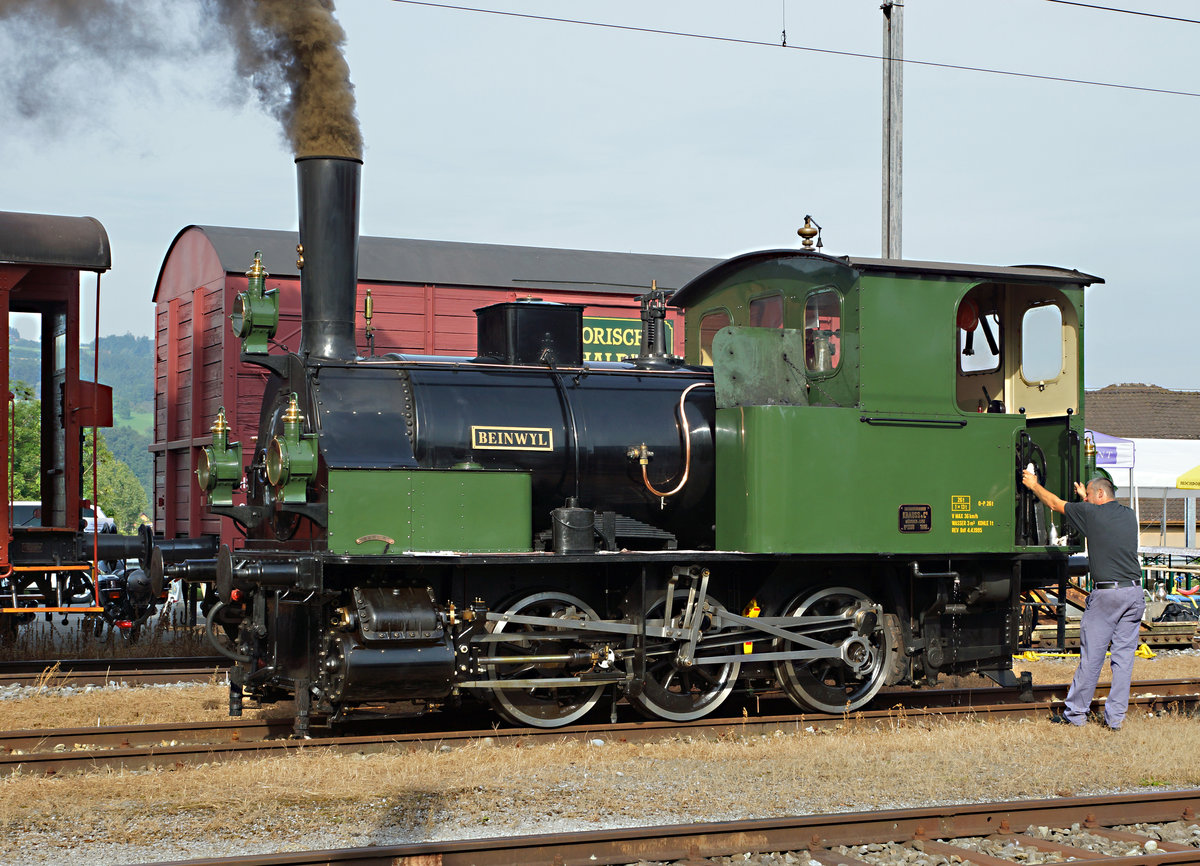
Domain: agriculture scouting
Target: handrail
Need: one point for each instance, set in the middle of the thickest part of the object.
(923, 422)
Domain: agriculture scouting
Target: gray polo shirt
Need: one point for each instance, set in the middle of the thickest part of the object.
(1112, 534)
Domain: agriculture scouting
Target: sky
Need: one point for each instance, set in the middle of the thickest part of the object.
(502, 129)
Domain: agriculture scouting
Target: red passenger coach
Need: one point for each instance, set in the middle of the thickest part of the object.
(423, 294)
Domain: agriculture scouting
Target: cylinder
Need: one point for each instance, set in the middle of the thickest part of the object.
(328, 201)
(401, 670)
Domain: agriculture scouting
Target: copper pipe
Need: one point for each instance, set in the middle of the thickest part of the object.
(687, 445)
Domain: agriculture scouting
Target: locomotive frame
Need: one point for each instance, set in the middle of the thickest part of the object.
(537, 531)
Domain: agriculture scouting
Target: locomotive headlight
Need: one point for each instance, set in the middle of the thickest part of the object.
(292, 457)
(277, 462)
(219, 466)
(255, 313)
(242, 317)
(204, 472)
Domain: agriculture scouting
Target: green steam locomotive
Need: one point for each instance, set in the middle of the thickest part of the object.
(821, 497)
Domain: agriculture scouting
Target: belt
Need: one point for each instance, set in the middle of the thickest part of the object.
(1113, 584)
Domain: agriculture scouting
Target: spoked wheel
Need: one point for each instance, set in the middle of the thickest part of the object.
(676, 687)
(540, 706)
(836, 685)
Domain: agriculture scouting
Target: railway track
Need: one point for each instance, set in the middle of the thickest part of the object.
(1126, 829)
(50, 751)
(82, 672)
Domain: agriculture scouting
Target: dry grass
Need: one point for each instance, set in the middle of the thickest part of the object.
(1164, 666)
(207, 702)
(165, 635)
(483, 789)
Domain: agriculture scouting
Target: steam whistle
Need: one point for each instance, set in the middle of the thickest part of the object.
(811, 229)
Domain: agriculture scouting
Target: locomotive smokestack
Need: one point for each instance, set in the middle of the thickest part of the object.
(328, 254)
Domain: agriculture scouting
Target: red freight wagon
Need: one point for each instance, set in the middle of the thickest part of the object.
(424, 293)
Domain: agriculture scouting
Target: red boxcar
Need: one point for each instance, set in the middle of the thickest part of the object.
(424, 293)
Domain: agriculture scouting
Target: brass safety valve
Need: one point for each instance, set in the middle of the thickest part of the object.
(219, 467)
(255, 313)
(292, 457)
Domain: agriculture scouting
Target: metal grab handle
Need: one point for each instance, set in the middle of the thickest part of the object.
(924, 422)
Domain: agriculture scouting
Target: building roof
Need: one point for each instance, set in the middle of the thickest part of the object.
(59, 241)
(449, 263)
(1144, 412)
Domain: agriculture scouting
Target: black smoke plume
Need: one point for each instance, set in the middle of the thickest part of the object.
(64, 57)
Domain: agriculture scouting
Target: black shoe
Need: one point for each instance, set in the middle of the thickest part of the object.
(1109, 727)
(1060, 719)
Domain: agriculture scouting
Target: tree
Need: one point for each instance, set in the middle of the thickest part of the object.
(25, 452)
(119, 492)
(133, 449)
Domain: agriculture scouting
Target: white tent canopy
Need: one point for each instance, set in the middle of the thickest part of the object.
(1150, 468)
(1160, 462)
(1118, 457)
(1113, 452)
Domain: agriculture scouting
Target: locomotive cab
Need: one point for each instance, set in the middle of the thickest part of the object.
(901, 396)
(873, 434)
(1020, 354)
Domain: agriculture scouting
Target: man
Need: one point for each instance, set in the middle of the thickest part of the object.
(1115, 606)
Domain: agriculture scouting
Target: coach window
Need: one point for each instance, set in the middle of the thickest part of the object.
(767, 312)
(709, 325)
(823, 332)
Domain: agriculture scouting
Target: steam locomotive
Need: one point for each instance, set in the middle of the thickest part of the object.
(821, 496)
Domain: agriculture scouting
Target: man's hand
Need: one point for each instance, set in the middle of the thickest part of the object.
(1080, 490)
(1029, 479)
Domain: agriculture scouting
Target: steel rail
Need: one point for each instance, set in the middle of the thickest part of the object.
(932, 829)
(47, 752)
(76, 672)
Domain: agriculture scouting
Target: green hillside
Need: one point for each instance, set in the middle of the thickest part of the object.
(127, 365)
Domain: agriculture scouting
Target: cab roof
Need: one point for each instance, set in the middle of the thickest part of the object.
(996, 273)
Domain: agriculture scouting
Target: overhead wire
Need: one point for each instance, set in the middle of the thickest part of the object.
(830, 51)
(1125, 11)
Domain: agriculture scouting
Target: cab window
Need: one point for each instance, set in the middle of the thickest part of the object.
(978, 338)
(767, 312)
(709, 325)
(1041, 343)
(823, 332)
